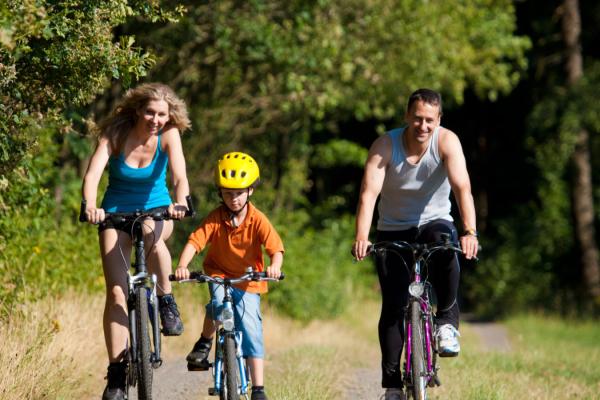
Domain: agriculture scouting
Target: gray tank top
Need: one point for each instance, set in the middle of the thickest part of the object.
(413, 194)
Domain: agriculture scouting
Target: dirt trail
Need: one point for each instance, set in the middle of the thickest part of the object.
(172, 381)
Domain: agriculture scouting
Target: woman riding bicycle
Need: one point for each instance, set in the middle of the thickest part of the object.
(137, 141)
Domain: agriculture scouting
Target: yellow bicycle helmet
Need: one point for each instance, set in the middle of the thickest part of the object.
(236, 170)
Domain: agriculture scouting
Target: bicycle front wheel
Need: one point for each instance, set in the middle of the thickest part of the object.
(144, 365)
(417, 358)
(231, 369)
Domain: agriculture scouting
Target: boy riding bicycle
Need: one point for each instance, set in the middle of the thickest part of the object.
(236, 232)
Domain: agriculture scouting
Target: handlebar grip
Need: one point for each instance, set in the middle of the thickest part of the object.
(193, 275)
(191, 212)
(82, 215)
(264, 275)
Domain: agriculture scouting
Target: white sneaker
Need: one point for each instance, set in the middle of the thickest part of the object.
(447, 336)
(394, 394)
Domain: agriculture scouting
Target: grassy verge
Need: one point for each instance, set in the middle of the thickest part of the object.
(549, 359)
(54, 350)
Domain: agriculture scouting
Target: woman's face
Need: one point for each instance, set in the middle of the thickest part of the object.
(154, 116)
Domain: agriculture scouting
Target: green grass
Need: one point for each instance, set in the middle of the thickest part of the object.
(549, 359)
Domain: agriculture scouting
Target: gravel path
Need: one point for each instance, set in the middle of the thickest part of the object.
(172, 381)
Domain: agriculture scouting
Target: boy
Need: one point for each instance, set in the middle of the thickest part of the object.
(236, 230)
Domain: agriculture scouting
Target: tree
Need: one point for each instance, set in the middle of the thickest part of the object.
(583, 203)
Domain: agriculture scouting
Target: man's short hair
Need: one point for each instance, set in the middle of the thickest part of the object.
(426, 96)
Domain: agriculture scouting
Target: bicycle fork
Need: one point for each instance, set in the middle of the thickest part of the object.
(430, 348)
(134, 282)
(227, 314)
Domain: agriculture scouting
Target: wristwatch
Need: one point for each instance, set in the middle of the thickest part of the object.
(471, 232)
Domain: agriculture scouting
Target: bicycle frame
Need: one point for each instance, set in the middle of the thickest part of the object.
(419, 293)
(227, 330)
(428, 324)
(141, 278)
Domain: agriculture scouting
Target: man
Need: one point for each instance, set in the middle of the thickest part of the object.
(413, 169)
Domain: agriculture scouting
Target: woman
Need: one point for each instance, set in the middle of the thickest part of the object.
(137, 141)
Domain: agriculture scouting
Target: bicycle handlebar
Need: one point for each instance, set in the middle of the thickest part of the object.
(197, 276)
(420, 248)
(157, 215)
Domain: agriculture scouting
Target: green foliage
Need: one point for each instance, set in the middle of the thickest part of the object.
(321, 278)
(536, 263)
(339, 152)
(264, 76)
(54, 56)
(43, 248)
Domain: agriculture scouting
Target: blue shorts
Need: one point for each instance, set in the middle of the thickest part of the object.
(248, 319)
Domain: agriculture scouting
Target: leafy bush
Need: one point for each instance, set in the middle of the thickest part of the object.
(321, 277)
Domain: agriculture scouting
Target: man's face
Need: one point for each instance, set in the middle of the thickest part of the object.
(422, 119)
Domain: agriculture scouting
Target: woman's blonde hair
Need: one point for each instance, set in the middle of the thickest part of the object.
(124, 116)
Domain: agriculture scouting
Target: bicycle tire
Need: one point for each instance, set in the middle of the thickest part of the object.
(418, 372)
(231, 368)
(144, 364)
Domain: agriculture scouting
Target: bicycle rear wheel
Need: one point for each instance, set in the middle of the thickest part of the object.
(417, 359)
(231, 369)
(144, 365)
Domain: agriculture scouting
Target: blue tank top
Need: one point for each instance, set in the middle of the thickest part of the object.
(130, 189)
(413, 194)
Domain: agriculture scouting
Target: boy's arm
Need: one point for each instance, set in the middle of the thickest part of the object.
(274, 270)
(182, 271)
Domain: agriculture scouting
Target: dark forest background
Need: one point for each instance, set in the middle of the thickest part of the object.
(305, 87)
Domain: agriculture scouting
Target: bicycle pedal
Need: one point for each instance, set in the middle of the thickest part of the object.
(196, 367)
(448, 354)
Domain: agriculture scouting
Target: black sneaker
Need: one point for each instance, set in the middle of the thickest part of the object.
(198, 357)
(258, 394)
(116, 377)
(169, 316)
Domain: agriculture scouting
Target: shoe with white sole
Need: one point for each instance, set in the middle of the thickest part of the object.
(447, 336)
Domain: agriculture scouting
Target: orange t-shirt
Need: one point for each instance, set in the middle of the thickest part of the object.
(232, 249)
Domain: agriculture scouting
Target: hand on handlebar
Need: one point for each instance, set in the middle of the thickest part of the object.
(95, 215)
(273, 272)
(177, 211)
(360, 249)
(182, 273)
(469, 245)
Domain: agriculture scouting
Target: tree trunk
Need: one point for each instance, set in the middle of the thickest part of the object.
(583, 205)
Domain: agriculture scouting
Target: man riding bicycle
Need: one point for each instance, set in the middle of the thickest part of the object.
(413, 169)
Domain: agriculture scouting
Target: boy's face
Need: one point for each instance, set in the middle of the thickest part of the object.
(236, 199)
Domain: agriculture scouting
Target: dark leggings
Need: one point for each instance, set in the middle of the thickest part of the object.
(443, 272)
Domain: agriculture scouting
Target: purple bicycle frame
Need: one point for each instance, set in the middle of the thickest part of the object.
(425, 308)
